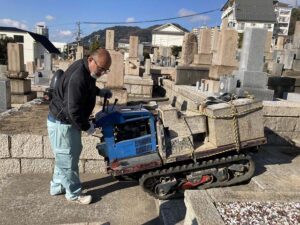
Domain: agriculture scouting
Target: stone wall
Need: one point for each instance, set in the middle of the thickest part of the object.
(281, 122)
(25, 153)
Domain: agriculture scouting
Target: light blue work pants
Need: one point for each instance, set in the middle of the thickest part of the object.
(66, 145)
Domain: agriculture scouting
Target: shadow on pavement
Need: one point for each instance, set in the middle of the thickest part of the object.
(105, 185)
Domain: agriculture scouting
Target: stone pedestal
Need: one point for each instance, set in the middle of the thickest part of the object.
(138, 86)
(252, 78)
(296, 65)
(5, 95)
(276, 69)
(211, 86)
(132, 66)
(19, 86)
(120, 94)
(203, 59)
(21, 99)
(189, 75)
(218, 70)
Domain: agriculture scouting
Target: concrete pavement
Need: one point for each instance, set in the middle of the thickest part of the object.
(25, 199)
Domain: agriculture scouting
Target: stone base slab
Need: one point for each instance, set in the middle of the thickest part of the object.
(21, 99)
(132, 66)
(20, 86)
(216, 71)
(202, 59)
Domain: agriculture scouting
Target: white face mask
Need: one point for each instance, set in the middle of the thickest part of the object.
(94, 76)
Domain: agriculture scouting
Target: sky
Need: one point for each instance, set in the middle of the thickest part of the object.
(61, 16)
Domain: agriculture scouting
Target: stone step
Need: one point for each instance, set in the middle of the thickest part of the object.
(171, 212)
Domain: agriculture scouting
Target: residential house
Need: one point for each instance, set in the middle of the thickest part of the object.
(35, 45)
(249, 13)
(283, 13)
(168, 35)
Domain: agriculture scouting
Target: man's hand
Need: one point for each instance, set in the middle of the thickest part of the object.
(104, 92)
(92, 129)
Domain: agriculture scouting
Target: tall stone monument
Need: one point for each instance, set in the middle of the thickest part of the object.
(79, 52)
(296, 39)
(250, 77)
(20, 86)
(132, 64)
(115, 78)
(204, 56)
(189, 49)
(5, 95)
(110, 40)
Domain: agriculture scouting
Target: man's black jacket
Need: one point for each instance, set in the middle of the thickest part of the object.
(74, 97)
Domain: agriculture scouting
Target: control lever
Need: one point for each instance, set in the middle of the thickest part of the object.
(104, 102)
(107, 104)
(116, 100)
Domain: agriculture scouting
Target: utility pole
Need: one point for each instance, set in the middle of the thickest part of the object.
(78, 33)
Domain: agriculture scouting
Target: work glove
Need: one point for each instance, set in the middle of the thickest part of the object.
(105, 92)
(92, 128)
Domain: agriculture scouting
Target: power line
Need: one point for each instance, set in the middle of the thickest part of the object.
(155, 20)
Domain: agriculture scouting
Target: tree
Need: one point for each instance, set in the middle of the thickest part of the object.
(176, 50)
(94, 45)
(3, 49)
(294, 17)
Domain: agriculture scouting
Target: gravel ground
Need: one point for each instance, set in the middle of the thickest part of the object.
(252, 213)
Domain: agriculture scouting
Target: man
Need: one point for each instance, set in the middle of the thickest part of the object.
(72, 103)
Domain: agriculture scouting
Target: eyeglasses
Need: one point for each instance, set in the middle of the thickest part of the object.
(100, 69)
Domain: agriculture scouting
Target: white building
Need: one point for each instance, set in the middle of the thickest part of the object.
(168, 35)
(283, 16)
(35, 45)
(249, 13)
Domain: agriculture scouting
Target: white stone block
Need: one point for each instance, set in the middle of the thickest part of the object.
(48, 154)
(95, 166)
(4, 146)
(26, 146)
(9, 166)
(37, 166)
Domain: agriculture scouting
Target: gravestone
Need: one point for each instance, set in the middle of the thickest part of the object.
(250, 75)
(110, 40)
(20, 86)
(133, 47)
(280, 43)
(224, 59)
(48, 61)
(204, 56)
(296, 40)
(115, 78)
(30, 68)
(5, 95)
(79, 52)
(189, 49)
(132, 64)
(147, 67)
(15, 57)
